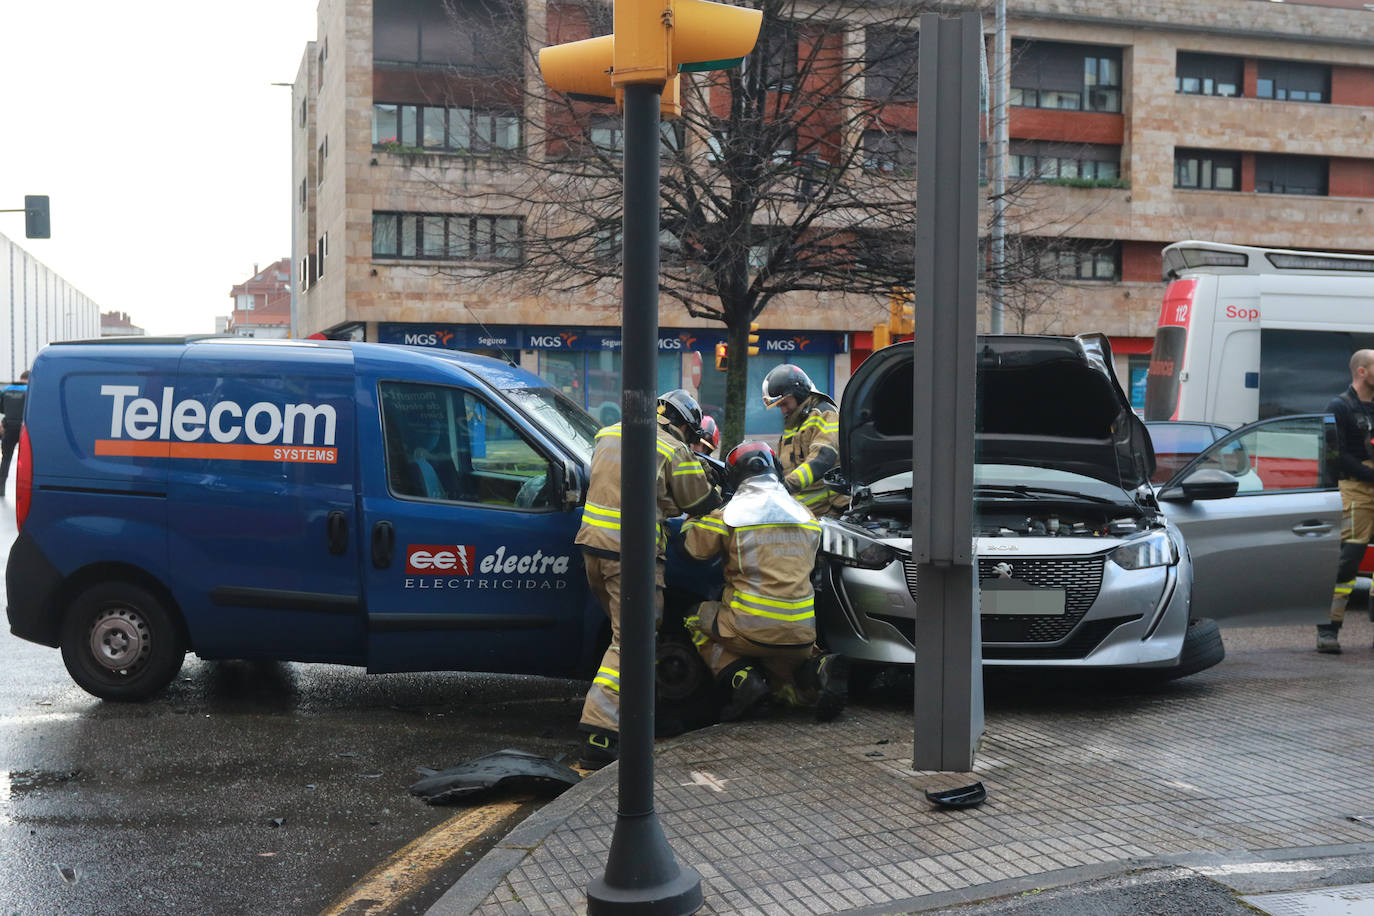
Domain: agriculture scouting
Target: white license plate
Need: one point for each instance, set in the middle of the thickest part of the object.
(1045, 602)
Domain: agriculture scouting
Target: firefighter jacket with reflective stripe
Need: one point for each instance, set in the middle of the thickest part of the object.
(682, 487)
(809, 448)
(767, 575)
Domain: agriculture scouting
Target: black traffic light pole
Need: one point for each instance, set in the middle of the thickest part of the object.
(642, 876)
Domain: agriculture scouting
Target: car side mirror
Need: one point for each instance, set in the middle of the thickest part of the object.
(573, 485)
(1203, 483)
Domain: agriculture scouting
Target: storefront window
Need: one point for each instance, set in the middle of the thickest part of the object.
(760, 423)
(592, 379)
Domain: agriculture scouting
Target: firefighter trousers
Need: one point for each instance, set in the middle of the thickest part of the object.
(1357, 528)
(722, 648)
(601, 709)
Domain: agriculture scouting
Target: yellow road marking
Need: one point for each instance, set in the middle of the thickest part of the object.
(410, 869)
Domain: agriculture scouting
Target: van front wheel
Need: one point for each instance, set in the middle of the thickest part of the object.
(120, 643)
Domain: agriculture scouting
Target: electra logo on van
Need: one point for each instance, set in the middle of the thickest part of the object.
(497, 570)
(168, 428)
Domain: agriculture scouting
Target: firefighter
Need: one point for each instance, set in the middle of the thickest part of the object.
(683, 486)
(1353, 410)
(810, 433)
(710, 437)
(760, 637)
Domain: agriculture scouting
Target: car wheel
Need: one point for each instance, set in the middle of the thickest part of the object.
(684, 689)
(120, 643)
(1202, 648)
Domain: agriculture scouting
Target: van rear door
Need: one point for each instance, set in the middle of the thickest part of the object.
(470, 562)
(262, 510)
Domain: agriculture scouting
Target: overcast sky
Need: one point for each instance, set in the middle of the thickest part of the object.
(167, 154)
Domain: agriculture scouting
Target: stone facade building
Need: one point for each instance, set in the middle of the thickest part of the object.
(1133, 124)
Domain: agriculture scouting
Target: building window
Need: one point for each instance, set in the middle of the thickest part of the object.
(890, 152)
(1047, 74)
(1209, 74)
(432, 127)
(1084, 260)
(890, 63)
(447, 236)
(303, 197)
(466, 34)
(320, 155)
(607, 134)
(1291, 81)
(1290, 174)
(1206, 170)
(304, 103)
(778, 44)
(321, 250)
(1041, 160)
(305, 272)
(319, 66)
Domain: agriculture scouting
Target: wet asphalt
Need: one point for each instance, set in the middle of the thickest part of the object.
(247, 787)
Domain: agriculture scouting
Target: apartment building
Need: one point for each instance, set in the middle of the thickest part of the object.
(1133, 124)
(262, 303)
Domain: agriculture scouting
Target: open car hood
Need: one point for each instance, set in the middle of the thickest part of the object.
(1043, 401)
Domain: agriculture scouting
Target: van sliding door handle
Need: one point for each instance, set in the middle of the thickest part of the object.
(337, 527)
(383, 542)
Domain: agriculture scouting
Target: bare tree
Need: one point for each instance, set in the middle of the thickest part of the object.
(792, 174)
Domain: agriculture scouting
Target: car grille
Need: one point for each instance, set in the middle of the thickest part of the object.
(1080, 579)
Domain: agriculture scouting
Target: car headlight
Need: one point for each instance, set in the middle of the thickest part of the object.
(1155, 549)
(853, 547)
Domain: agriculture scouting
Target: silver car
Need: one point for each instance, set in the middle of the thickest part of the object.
(1082, 562)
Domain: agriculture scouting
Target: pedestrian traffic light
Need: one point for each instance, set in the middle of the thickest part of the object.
(37, 224)
(753, 347)
(902, 314)
(722, 356)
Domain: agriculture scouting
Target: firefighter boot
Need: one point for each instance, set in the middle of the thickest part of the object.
(1328, 638)
(828, 675)
(599, 748)
(747, 689)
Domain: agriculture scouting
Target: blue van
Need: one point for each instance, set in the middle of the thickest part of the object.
(320, 501)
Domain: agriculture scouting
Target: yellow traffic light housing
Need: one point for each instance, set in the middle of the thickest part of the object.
(882, 336)
(901, 312)
(582, 70)
(660, 38)
(753, 347)
(722, 356)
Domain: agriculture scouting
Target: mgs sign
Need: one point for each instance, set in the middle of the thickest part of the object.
(432, 339)
(787, 345)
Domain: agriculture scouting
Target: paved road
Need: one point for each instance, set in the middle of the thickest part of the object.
(247, 787)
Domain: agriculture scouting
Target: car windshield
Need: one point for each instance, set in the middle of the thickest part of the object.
(559, 417)
(1018, 476)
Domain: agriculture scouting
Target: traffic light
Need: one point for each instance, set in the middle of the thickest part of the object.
(37, 224)
(722, 356)
(902, 314)
(882, 336)
(657, 40)
(753, 347)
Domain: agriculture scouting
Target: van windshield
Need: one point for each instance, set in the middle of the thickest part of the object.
(559, 417)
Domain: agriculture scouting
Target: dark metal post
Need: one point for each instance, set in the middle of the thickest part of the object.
(642, 876)
(949, 674)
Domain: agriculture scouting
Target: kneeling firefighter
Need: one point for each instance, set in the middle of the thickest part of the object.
(810, 437)
(761, 635)
(682, 486)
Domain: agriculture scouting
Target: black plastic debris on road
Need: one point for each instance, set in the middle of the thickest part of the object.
(507, 770)
(963, 797)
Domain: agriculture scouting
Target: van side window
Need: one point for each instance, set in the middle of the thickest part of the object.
(449, 445)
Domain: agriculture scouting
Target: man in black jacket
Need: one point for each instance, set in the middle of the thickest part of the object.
(12, 406)
(1354, 413)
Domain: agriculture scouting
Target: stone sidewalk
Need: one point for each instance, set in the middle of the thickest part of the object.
(1268, 751)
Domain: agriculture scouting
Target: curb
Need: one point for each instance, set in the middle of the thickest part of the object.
(478, 883)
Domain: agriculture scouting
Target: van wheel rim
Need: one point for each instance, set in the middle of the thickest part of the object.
(120, 640)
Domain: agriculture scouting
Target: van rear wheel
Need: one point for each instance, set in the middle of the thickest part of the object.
(120, 643)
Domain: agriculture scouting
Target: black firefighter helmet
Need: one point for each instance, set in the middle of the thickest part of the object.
(681, 409)
(750, 459)
(784, 379)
